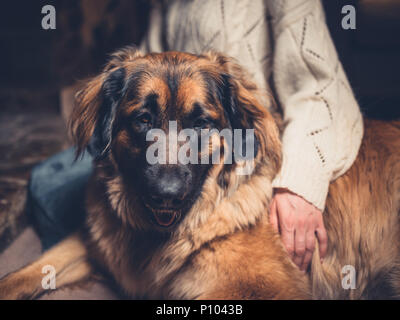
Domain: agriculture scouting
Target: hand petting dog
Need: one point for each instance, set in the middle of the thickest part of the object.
(298, 222)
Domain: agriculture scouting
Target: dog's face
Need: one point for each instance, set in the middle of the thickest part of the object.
(135, 96)
(160, 89)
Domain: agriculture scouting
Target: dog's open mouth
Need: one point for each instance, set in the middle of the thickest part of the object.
(165, 218)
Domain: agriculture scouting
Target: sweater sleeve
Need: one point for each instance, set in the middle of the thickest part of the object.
(324, 125)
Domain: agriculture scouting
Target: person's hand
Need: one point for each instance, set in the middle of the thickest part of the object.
(299, 223)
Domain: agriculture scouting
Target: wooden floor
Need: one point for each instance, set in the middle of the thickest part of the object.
(26, 138)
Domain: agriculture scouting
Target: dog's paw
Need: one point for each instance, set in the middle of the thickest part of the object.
(13, 287)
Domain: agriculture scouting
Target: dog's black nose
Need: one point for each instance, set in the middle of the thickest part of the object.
(169, 192)
(168, 186)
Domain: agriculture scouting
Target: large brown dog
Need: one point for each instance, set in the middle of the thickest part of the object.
(202, 231)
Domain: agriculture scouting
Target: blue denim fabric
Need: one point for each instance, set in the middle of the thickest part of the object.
(56, 195)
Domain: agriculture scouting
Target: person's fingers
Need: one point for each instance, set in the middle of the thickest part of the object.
(273, 216)
(287, 234)
(299, 222)
(306, 261)
(310, 246)
(322, 239)
(299, 244)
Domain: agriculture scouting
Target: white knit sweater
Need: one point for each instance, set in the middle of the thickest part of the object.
(289, 40)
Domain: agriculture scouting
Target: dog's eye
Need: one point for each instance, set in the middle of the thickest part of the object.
(201, 123)
(144, 118)
(142, 122)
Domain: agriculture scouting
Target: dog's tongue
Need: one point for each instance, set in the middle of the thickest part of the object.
(165, 218)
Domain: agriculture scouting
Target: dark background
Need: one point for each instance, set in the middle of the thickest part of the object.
(38, 65)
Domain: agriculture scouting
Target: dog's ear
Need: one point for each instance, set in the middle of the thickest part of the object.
(92, 119)
(247, 108)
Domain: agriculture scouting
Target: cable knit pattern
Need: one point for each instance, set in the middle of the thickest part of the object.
(324, 124)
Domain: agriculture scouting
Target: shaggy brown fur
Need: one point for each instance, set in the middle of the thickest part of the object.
(224, 247)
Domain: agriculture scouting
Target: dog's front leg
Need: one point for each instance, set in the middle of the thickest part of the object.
(70, 263)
